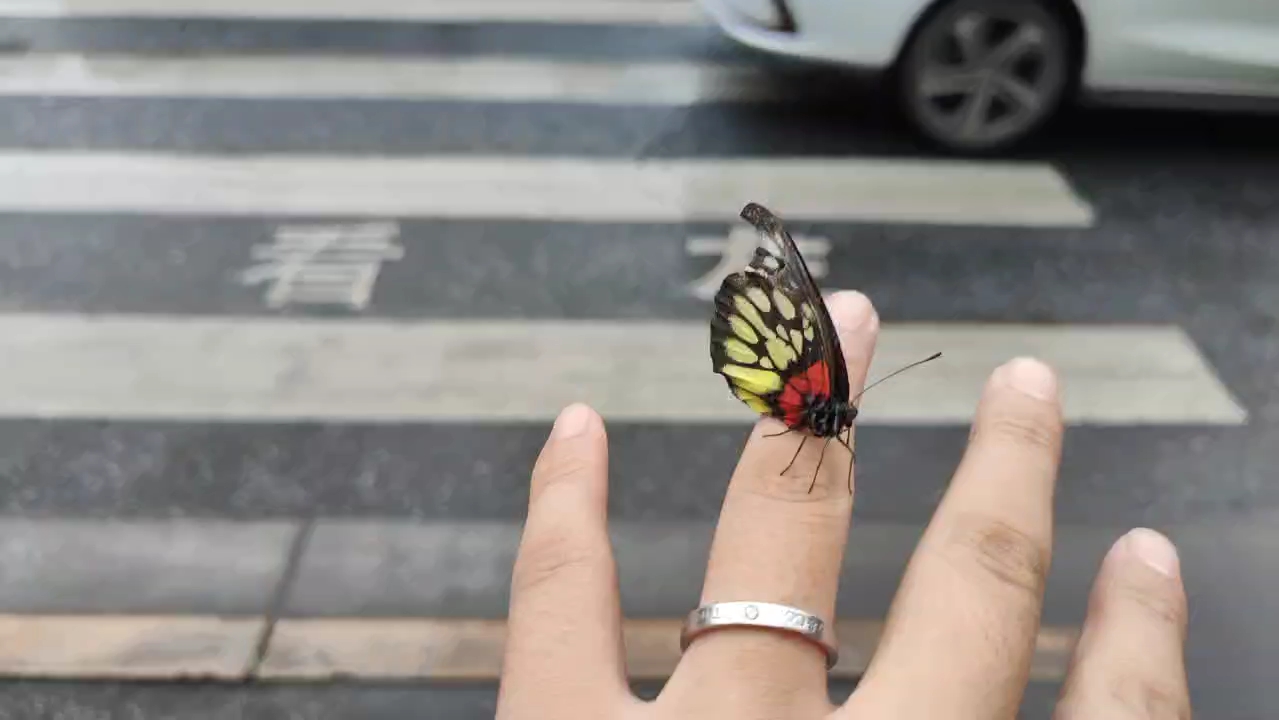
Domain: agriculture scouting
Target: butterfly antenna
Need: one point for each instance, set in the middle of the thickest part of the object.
(898, 371)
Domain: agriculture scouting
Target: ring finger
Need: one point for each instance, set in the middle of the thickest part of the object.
(779, 542)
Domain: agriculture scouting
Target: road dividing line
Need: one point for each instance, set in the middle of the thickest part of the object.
(471, 650)
(128, 647)
(546, 189)
(613, 12)
(269, 369)
(487, 79)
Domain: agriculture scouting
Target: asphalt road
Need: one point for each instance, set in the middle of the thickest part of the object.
(1185, 231)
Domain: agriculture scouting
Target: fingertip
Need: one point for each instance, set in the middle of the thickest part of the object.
(1028, 376)
(574, 420)
(1020, 410)
(1141, 577)
(852, 311)
(1149, 548)
(575, 452)
(857, 325)
(1131, 652)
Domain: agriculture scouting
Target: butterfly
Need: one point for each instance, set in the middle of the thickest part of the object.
(773, 341)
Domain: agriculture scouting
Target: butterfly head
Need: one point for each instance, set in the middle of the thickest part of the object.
(829, 416)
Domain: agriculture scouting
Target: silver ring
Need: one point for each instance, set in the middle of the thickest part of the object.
(760, 614)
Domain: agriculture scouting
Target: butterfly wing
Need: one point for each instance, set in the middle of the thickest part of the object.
(795, 274)
(771, 336)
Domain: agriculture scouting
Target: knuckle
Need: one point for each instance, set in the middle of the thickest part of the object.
(1159, 603)
(1011, 557)
(1142, 698)
(1031, 430)
(553, 468)
(550, 555)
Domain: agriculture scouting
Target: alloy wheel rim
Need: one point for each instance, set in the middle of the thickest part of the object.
(983, 78)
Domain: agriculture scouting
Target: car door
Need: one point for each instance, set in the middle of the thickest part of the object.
(1211, 47)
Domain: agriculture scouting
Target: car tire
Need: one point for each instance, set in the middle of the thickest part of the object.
(979, 77)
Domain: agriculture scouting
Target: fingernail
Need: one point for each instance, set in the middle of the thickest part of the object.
(1029, 376)
(1154, 550)
(572, 421)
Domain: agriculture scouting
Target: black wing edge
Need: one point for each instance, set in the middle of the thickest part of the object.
(765, 221)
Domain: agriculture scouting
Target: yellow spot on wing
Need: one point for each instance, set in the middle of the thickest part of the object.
(754, 402)
(759, 297)
(739, 351)
(753, 380)
(765, 362)
(743, 329)
(776, 343)
(752, 316)
(784, 305)
(797, 340)
(781, 353)
(808, 332)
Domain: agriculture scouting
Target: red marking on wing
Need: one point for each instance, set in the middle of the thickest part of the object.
(813, 382)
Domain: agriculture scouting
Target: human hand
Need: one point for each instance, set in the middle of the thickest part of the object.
(959, 639)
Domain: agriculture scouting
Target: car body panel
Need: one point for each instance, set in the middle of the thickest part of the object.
(1183, 46)
(866, 34)
(1171, 47)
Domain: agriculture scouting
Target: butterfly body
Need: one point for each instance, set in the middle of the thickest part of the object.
(822, 415)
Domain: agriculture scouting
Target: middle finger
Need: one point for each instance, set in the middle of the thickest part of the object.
(778, 542)
(966, 616)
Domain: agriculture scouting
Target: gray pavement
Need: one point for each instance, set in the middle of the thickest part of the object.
(1186, 230)
(446, 570)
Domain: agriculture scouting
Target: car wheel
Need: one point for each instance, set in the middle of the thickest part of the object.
(981, 76)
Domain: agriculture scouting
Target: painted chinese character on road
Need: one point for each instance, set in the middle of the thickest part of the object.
(736, 251)
(323, 264)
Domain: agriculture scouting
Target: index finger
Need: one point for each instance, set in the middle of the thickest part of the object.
(966, 616)
(564, 625)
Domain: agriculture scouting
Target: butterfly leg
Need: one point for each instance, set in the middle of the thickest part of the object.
(784, 432)
(796, 455)
(819, 465)
(846, 441)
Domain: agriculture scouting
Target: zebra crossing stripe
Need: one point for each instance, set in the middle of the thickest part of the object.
(294, 76)
(637, 12)
(540, 188)
(476, 371)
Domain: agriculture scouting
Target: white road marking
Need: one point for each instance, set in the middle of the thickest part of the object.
(536, 188)
(737, 249)
(636, 12)
(480, 79)
(323, 264)
(258, 369)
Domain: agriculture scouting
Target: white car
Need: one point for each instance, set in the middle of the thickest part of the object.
(979, 76)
